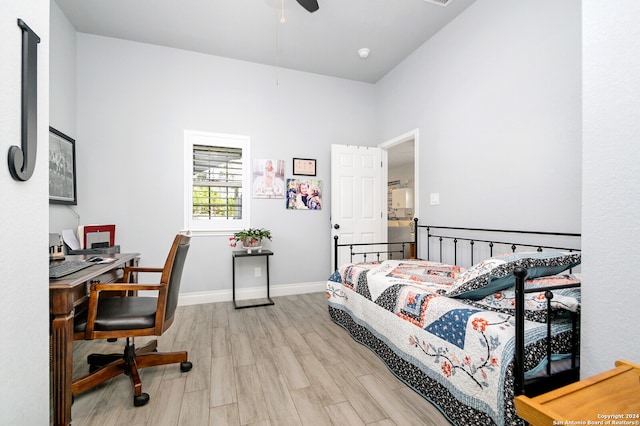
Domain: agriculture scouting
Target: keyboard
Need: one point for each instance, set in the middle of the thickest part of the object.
(67, 267)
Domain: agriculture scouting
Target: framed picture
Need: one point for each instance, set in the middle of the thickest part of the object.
(304, 166)
(268, 178)
(304, 194)
(62, 168)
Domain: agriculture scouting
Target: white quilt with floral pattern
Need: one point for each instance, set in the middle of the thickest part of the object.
(464, 350)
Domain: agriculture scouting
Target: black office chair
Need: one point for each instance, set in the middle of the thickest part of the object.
(116, 311)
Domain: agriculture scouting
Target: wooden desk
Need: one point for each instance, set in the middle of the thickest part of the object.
(602, 399)
(67, 294)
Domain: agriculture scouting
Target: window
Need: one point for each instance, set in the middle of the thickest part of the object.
(217, 190)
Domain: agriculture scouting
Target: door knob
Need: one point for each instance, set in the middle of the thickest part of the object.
(336, 226)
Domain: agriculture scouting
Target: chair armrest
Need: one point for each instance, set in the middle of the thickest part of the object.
(98, 287)
(94, 299)
(129, 269)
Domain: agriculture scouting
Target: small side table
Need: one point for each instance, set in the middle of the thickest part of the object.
(612, 395)
(243, 253)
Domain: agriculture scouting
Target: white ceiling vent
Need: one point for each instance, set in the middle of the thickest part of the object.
(443, 3)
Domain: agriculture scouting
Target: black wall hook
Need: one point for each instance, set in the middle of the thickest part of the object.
(22, 160)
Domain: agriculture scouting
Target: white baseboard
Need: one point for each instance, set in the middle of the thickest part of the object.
(250, 293)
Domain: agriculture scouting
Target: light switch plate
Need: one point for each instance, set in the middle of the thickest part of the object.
(435, 198)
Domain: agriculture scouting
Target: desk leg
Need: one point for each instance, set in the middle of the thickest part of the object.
(62, 367)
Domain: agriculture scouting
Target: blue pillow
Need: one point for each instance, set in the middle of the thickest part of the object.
(496, 274)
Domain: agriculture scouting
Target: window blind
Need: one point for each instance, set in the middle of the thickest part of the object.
(217, 182)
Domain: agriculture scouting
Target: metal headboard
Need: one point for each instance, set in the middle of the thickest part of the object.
(454, 235)
(448, 233)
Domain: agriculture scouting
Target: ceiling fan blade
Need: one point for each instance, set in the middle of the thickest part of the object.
(310, 5)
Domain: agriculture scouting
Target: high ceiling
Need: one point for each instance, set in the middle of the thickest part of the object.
(324, 42)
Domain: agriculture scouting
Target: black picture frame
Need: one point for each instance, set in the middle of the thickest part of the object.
(304, 166)
(62, 168)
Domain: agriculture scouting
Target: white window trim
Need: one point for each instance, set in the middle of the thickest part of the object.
(216, 225)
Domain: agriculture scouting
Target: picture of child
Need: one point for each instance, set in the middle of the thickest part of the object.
(304, 194)
(268, 178)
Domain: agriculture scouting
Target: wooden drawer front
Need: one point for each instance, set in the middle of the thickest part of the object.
(108, 277)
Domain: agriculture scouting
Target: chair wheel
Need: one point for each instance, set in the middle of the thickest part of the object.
(140, 400)
(185, 366)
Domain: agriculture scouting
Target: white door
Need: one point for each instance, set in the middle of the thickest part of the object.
(357, 192)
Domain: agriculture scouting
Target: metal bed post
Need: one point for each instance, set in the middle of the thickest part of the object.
(335, 252)
(548, 295)
(455, 251)
(415, 239)
(575, 344)
(428, 244)
(520, 274)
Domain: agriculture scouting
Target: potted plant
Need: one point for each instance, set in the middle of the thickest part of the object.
(251, 238)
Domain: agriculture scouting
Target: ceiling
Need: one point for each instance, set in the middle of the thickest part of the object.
(324, 42)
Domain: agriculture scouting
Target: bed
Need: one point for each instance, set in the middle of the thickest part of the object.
(467, 338)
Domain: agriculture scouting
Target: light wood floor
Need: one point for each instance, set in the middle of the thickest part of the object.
(286, 364)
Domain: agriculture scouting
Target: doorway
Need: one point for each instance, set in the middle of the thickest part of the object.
(402, 186)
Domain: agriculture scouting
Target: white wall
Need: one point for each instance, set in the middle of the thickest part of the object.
(62, 73)
(134, 102)
(24, 319)
(496, 96)
(62, 100)
(611, 183)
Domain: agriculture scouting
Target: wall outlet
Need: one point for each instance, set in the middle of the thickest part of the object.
(257, 272)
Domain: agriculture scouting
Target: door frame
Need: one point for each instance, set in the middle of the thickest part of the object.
(405, 137)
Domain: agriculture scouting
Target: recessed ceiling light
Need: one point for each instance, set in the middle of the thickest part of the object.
(363, 53)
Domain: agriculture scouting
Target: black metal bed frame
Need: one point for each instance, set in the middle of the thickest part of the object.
(530, 387)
